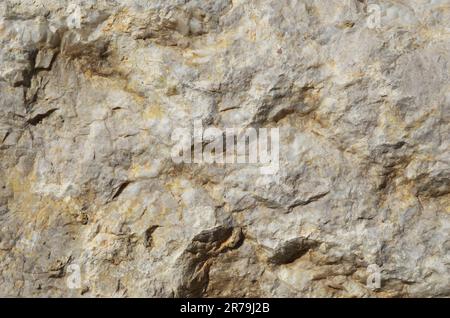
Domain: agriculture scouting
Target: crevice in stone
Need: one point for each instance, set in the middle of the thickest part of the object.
(148, 239)
(40, 117)
(309, 200)
(292, 250)
(199, 257)
(120, 189)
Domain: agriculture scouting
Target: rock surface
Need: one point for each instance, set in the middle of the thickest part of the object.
(92, 204)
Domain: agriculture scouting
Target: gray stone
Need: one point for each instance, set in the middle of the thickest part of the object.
(92, 204)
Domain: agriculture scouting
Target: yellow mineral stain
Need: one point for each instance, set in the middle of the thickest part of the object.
(136, 169)
(312, 97)
(251, 35)
(331, 64)
(120, 22)
(174, 185)
(154, 112)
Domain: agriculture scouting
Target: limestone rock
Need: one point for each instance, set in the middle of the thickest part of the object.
(92, 203)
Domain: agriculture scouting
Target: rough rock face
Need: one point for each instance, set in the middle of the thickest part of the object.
(92, 203)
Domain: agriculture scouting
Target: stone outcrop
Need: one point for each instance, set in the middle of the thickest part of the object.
(92, 203)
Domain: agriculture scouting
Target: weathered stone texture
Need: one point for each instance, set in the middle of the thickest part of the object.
(90, 92)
